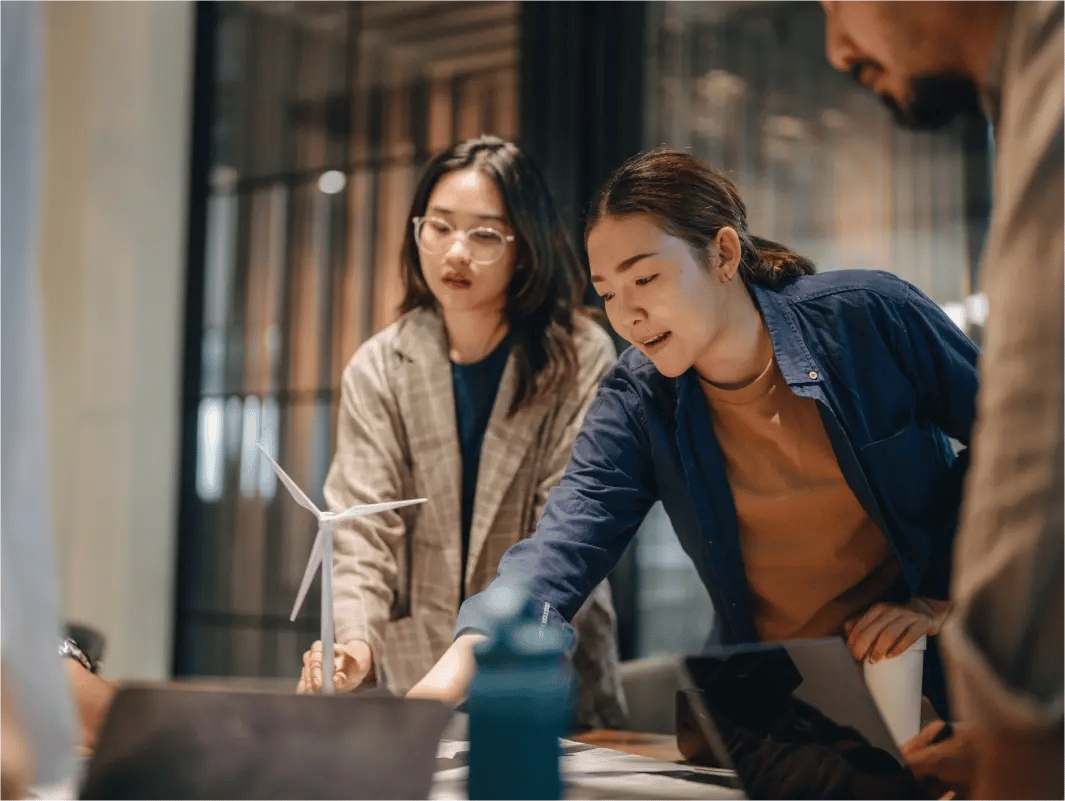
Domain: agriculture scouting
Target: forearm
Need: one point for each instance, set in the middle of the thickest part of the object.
(449, 679)
(362, 603)
(365, 576)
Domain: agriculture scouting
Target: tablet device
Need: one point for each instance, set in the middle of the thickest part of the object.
(792, 719)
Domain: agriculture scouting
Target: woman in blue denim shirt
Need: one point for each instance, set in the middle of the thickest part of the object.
(796, 427)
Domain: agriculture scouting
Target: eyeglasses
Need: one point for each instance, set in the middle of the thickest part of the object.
(435, 236)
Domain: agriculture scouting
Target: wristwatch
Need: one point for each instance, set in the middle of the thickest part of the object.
(67, 647)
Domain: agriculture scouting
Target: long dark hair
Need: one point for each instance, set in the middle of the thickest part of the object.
(549, 281)
(692, 201)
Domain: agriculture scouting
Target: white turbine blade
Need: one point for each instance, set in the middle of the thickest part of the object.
(370, 509)
(308, 574)
(296, 492)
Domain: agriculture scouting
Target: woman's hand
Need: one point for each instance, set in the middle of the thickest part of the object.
(450, 677)
(16, 757)
(92, 697)
(352, 666)
(886, 630)
(977, 762)
(945, 765)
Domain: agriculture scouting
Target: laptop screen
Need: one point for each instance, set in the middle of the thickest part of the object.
(794, 720)
(175, 742)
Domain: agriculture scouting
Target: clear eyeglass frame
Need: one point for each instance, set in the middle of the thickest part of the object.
(494, 249)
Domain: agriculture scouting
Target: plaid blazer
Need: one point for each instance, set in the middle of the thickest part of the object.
(397, 580)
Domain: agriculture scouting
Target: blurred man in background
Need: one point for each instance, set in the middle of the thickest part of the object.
(38, 726)
(930, 61)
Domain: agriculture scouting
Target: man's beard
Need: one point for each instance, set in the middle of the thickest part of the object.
(934, 101)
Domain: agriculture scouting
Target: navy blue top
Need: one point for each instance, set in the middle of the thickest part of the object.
(475, 387)
(893, 378)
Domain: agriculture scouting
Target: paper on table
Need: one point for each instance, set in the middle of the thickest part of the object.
(591, 772)
(447, 749)
(322, 554)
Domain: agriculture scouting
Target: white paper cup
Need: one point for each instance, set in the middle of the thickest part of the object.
(895, 685)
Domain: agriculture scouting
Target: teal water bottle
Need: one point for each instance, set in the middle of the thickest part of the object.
(519, 704)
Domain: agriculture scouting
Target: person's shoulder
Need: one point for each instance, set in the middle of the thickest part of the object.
(1036, 27)
(372, 350)
(399, 339)
(1030, 104)
(589, 335)
(844, 283)
(867, 292)
(873, 299)
(595, 354)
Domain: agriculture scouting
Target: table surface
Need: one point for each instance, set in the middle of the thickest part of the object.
(655, 746)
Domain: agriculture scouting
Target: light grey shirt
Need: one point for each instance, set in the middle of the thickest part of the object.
(30, 626)
(1004, 641)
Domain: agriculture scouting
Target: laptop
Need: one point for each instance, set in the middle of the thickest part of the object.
(793, 720)
(166, 741)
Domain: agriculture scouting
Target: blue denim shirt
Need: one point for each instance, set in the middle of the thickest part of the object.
(894, 380)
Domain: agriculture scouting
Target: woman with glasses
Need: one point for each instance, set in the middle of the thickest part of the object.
(795, 426)
(472, 400)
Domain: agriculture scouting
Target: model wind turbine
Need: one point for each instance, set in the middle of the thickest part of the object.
(322, 554)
